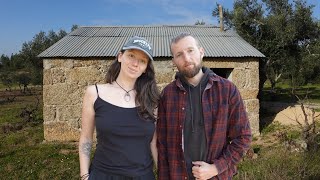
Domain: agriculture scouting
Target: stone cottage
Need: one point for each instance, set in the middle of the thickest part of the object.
(82, 57)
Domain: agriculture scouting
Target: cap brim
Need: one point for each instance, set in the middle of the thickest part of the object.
(134, 47)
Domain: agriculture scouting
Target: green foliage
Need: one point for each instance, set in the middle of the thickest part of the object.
(275, 160)
(274, 127)
(200, 22)
(5, 61)
(36, 76)
(311, 61)
(30, 50)
(74, 27)
(27, 61)
(285, 32)
(7, 79)
(282, 93)
(24, 80)
(278, 163)
(294, 134)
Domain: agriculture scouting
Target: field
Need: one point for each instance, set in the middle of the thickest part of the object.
(277, 159)
(23, 152)
(310, 92)
(25, 155)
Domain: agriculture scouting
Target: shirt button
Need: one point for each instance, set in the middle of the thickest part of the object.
(183, 109)
(185, 177)
(184, 93)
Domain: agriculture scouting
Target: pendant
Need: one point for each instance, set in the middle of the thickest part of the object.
(127, 97)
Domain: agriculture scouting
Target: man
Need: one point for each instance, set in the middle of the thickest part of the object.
(203, 130)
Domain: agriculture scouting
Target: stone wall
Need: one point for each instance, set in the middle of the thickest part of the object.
(245, 76)
(65, 80)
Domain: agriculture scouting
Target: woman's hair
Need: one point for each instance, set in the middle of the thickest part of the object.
(146, 87)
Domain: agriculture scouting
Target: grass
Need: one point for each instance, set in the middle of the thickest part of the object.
(4, 87)
(11, 110)
(25, 155)
(275, 161)
(279, 163)
(283, 93)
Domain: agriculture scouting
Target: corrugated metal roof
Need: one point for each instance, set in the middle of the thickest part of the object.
(106, 41)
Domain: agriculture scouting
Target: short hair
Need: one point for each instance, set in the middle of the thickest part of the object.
(180, 36)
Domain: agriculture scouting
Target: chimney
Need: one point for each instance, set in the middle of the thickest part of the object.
(221, 18)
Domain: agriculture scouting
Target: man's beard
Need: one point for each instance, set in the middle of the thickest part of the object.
(191, 73)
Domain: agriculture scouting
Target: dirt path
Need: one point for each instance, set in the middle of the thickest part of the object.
(289, 114)
(294, 114)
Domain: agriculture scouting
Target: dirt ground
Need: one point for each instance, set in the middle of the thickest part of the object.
(294, 114)
(288, 114)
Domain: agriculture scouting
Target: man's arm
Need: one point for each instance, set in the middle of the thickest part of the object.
(163, 165)
(238, 132)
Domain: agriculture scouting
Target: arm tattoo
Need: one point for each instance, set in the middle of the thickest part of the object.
(86, 148)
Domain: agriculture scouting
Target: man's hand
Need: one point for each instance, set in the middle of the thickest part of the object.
(202, 170)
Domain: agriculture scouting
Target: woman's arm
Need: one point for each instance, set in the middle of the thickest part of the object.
(154, 151)
(87, 129)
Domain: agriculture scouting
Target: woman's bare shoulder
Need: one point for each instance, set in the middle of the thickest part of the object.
(95, 86)
(99, 89)
(91, 89)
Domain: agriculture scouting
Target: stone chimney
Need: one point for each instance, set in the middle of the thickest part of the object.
(221, 18)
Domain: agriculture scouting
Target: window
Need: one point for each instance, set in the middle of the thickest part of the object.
(223, 72)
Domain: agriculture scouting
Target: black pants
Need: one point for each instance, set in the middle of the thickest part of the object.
(98, 175)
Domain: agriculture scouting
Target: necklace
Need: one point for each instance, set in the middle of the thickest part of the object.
(126, 96)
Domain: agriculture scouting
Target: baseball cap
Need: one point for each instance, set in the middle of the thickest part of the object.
(139, 43)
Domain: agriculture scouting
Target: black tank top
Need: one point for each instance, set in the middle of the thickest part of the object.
(123, 140)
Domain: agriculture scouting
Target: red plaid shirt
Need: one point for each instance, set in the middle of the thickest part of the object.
(227, 128)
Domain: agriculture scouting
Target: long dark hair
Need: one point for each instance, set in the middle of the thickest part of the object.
(146, 87)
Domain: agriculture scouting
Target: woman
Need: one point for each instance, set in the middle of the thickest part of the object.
(122, 111)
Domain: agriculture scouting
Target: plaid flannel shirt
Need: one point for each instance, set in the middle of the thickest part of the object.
(227, 128)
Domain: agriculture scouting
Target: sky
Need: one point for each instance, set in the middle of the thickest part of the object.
(21, 20)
